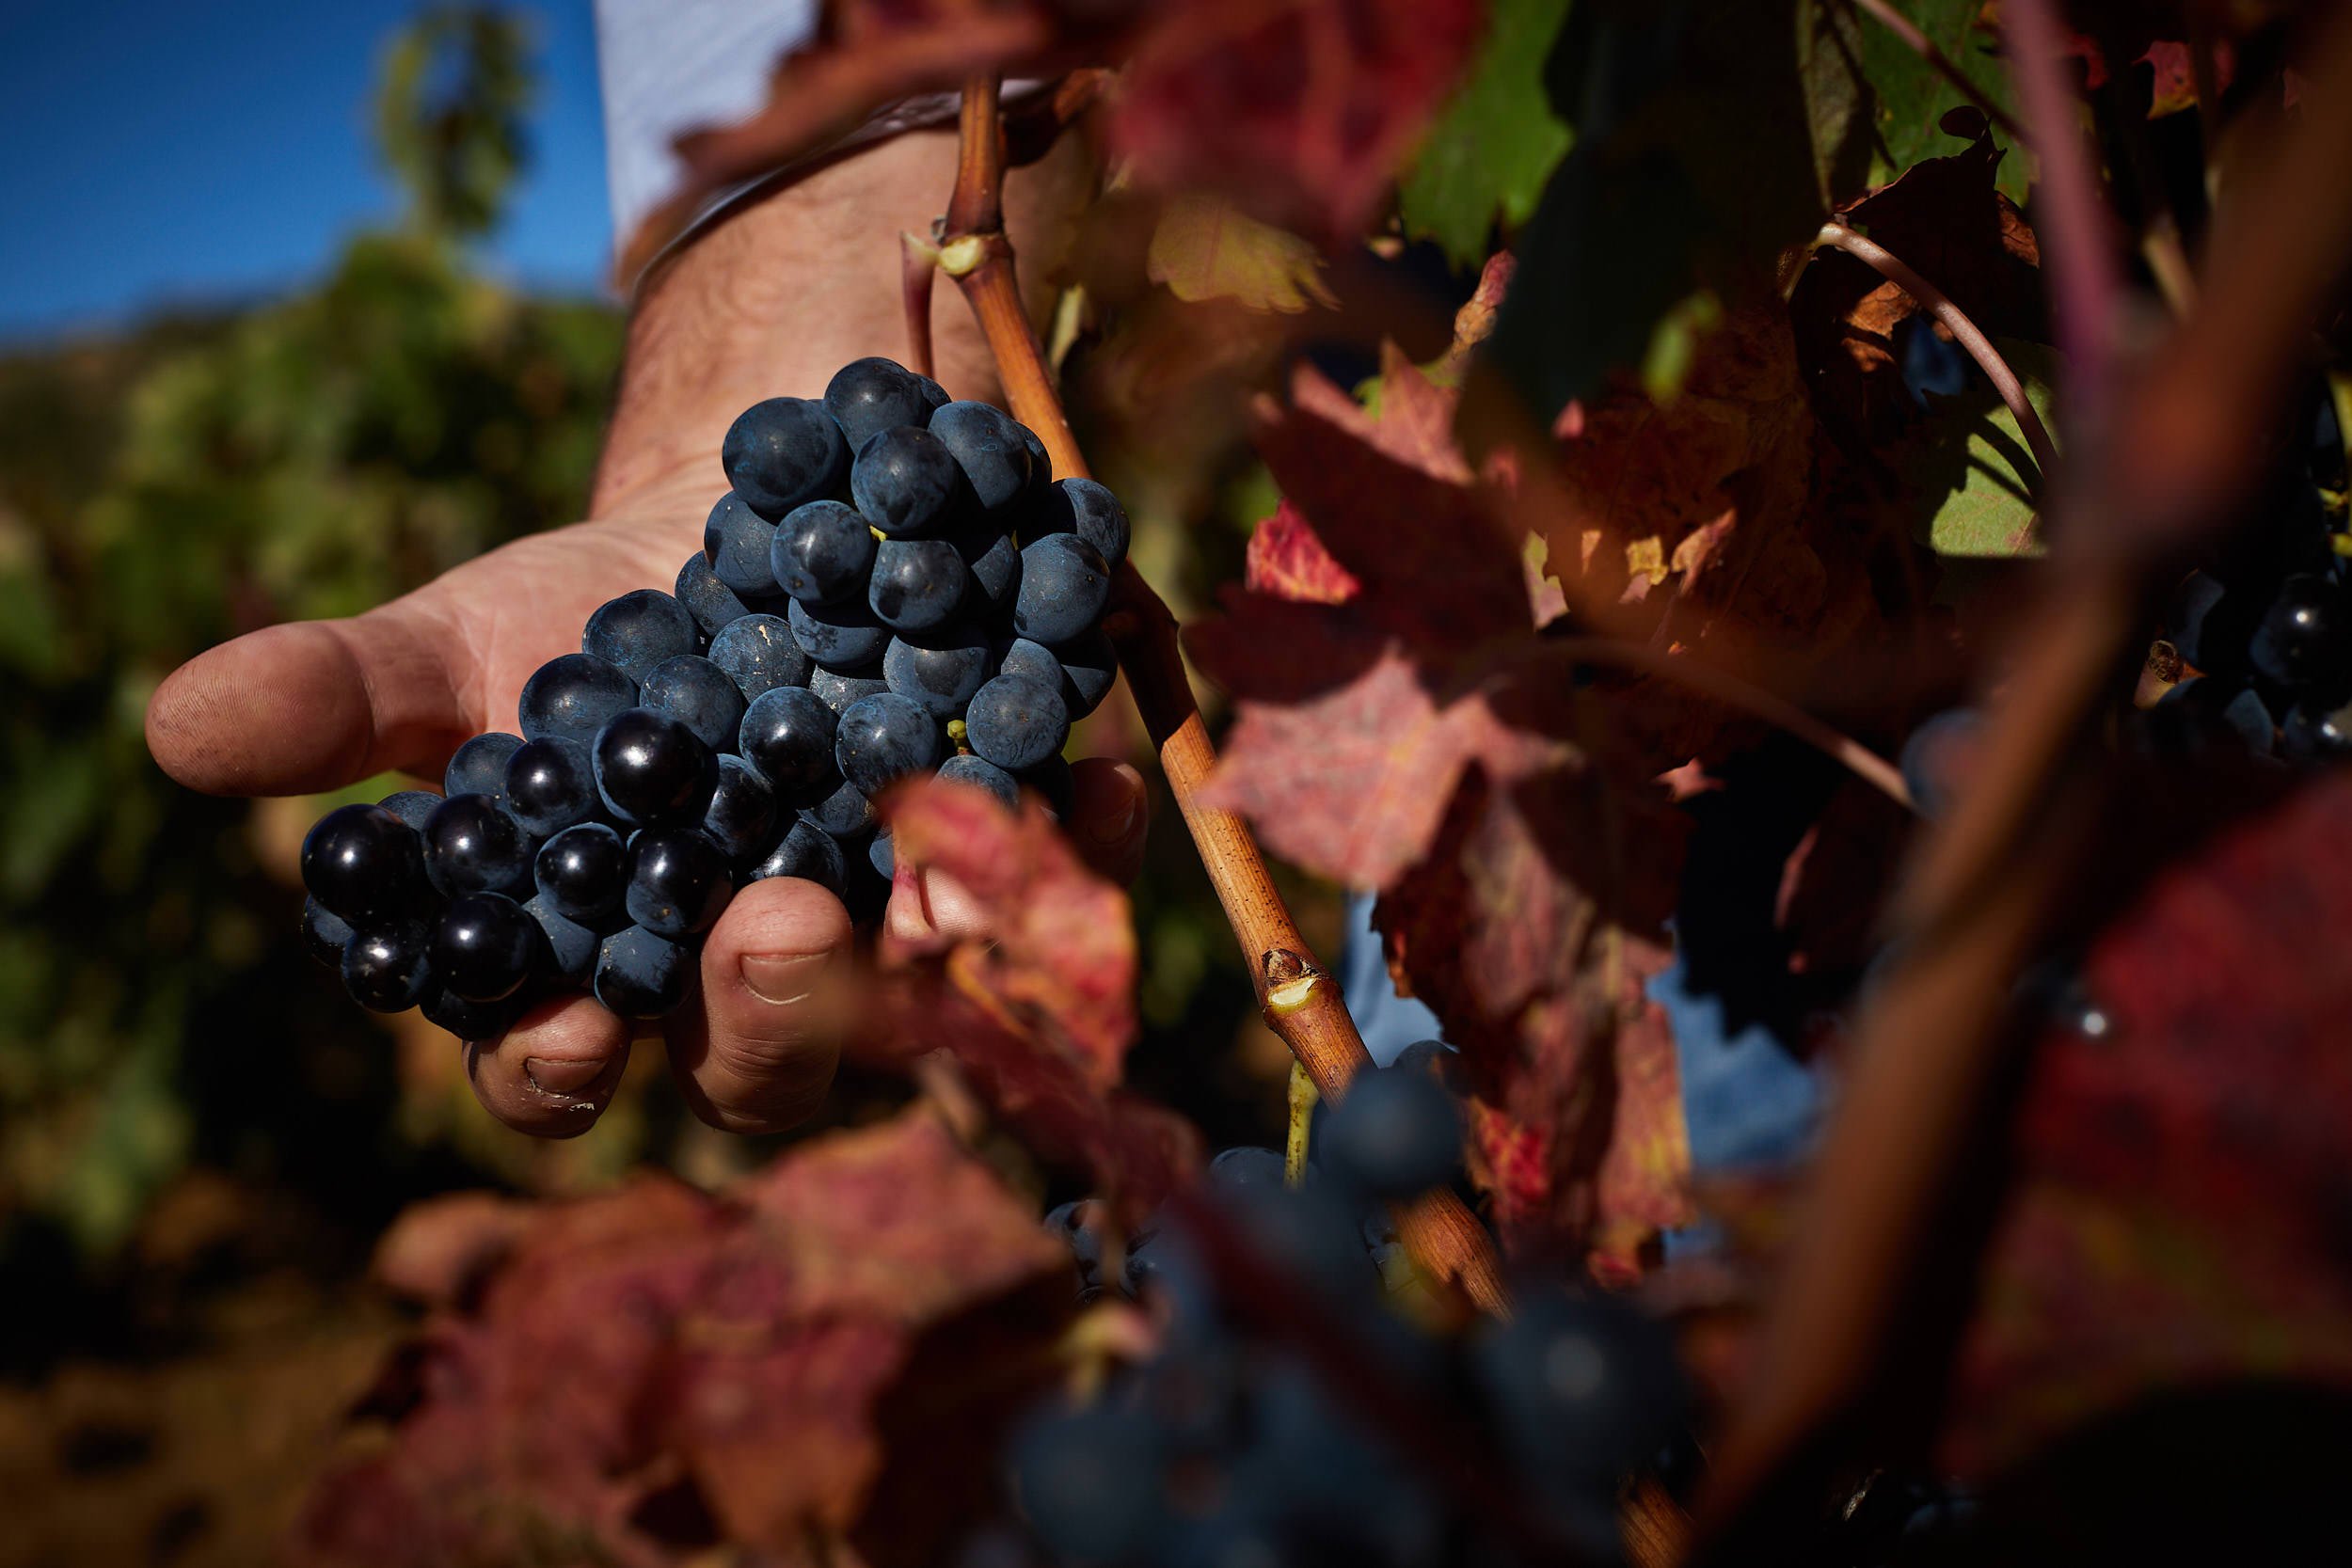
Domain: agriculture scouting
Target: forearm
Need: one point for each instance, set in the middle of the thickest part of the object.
(782, 293)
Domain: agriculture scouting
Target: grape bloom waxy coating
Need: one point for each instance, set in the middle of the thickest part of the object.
(891, 585)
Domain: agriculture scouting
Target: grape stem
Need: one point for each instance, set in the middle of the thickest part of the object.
(1438, 1229)
(1964, 332)
(918, 263)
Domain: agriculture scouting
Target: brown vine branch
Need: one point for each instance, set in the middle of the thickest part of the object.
(1924, 1090)
(1299, 1001)
(1964, 332)
(1925, 47)
(918, 264)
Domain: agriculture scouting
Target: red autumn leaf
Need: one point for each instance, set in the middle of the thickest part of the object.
(1287, 561)
(2181, 1197)
(1040, 1015)
(1301, 110)
(653, 1365)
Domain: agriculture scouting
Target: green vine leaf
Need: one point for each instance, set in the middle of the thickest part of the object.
(1497, 142)
(1202, 248)
(1972, 473)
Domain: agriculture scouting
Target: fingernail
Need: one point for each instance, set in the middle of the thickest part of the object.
(1113, 826)
(781, 979)
(566, 1079)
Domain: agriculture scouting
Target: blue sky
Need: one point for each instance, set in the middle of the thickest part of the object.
(156, 153)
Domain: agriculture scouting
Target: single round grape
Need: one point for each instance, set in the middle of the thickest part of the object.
(678, 882)
(758, 653)
(478, 765)
(967, 769)
(1031, 660)
(735, 542)
(782, 453)
(638, 630)
(882, 739)
(474, 1020)
(1248, 1168)
(986, 444)
(844, 814)
(388, 969)
(651, 768)
(788, 734)
(869, 396)
(809, 852)
(571, 948)
(549, 785)
(1089, 510)
(838, 689)
(487, 946)
(741, 819)
(699, 695)
(711, 602)
(1090, 666)
(2318, 732)
(325, 933)
(1064, 586)
(917, 584)
(937, 670)
(839, 637)
(575, 696)
(1091, 1483)
(906, 481)
(414, 806)
(934, 395)
(1579, 1388)
(1393, 1135)
(822, 552)
(1015, 722)
(1040, 465)
(363, 864)
(582, 872)
(640, 975)
(473, 844)
(2303, 635)
(992, 562)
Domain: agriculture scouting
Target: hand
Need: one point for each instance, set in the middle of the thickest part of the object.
(317, 704)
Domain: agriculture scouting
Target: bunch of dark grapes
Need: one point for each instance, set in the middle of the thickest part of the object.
(1232, 1446)
(894, 584)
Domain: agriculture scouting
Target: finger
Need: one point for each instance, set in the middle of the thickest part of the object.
(553, 1073)
(760, 1052)
(311, 705)
(1106, 825)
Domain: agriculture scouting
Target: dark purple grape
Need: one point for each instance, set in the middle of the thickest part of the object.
(412, 806)
(325, 933)
(735, 542)
(1579, 1388)
(474, 1020)
(640, 975)
(471, 845)
(877, 855)
(741, 819)
(986, 444)
(699, 695)
(967, 769)
(934, 395)
(639, 631)
(479, 766)
(363, 864)
(869, 396)
(758, 654)
(839, 637)
(575, 696)
(1064, 586)
(1031, 660)
(2301, 640)
(788, 734)
(487, 946)
(838, 689)
(1394, 1136)
(937, 670)
(1054, 784)
(1089, 667)
(918, 584)
(1248, 1168)
(711, 602)
(844, 814)
(388, 969)
(881, 740)
(1040, 467)
(1015, 722)
(550, 784)
(906, 481)
(822, 553)
(571, 948)
(583, 871)
(1089, 510)
(783, 452)
(678, 883)
(2318, 732)
(993, 562)
(651, 768)
(807, 851)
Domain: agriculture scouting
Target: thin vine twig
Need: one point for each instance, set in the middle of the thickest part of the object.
(918, 264)
(1925, 47)
(1299, 1000)
(1964, 332)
